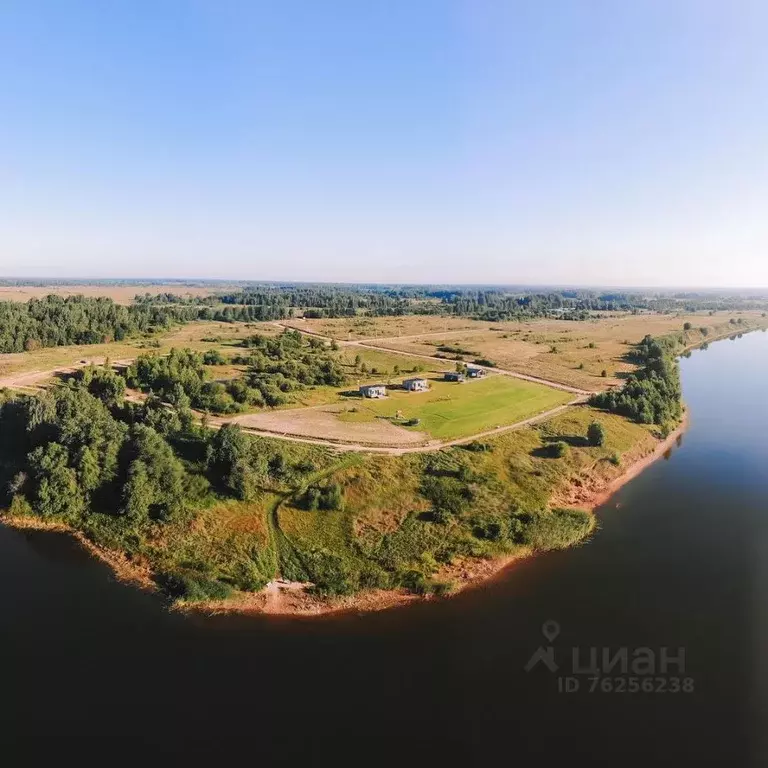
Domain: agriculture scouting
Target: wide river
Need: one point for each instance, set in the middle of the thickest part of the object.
(91, 667)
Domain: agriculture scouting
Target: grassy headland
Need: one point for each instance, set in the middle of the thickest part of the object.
(210, 517)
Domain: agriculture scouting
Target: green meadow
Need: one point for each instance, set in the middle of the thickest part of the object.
(451, 410)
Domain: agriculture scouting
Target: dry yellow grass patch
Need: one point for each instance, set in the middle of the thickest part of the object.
(383, 493)
(120, 294)
(190, 335)
(358, 328)
(324, 424)
(568, 352)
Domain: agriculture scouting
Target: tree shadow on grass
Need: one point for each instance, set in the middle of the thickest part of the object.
(546, 451)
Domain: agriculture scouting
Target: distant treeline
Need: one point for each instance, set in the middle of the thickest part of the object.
(55, 321)
(279, 302)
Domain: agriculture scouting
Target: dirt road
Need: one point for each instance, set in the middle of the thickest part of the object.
(34, 379)
(434, 445)
(378, 347)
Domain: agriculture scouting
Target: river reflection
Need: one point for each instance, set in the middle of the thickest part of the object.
(679, 562)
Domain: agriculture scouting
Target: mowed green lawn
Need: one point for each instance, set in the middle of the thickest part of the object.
(451, 410)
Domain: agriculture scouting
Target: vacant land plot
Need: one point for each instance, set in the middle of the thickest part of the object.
(451, 410)
(385, 364)
(448, 411)
(324, 424)
(568, 352)
(358, 328)
(198, 336)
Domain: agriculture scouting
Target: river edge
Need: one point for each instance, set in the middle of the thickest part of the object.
(586, 492)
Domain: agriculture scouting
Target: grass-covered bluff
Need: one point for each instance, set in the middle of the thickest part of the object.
(211, 513)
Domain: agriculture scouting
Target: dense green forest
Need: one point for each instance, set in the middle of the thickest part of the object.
(181, 377)
(55, 321)
(120, 472)
(141, 479)
(277, 302)
(653, 394)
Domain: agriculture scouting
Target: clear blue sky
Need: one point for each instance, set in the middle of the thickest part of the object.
(610, 142)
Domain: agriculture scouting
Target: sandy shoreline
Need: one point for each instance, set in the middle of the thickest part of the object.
(473, 572)
(287, 599)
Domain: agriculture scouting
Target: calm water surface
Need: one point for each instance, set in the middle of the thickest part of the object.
(681, 560)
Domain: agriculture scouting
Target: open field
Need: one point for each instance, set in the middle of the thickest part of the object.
(451, 410)
(191, 335)
(385, 517)
(359, 328)
(121, 294)
(448, 411)
(324, 423)
(567, 352)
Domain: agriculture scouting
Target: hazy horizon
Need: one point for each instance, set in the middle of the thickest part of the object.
(52, 280)
(509, 143)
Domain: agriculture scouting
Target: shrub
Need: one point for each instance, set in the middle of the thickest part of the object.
(214, 357)
(488, 527)
(443, 588)
(478, 447)
(556, 450)
(330, 574)
(596, 434)
(193, 586)
(556, 528)
(327, 497)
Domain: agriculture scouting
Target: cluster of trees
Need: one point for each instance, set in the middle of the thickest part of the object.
(651, 395)
(278, 302)
(277, 366)
(281, 364)
(181, 378)
(123, 472)
(325, 300)
(497, 305)
(70, 455)
(56, 321)
(491, 303)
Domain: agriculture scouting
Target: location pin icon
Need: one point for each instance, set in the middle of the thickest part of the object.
(550, 629)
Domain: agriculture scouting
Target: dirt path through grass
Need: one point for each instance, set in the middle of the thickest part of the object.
(380, 348)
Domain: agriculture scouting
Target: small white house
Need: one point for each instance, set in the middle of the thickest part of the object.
(474, 372)
(416, 385)
(373, 390)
